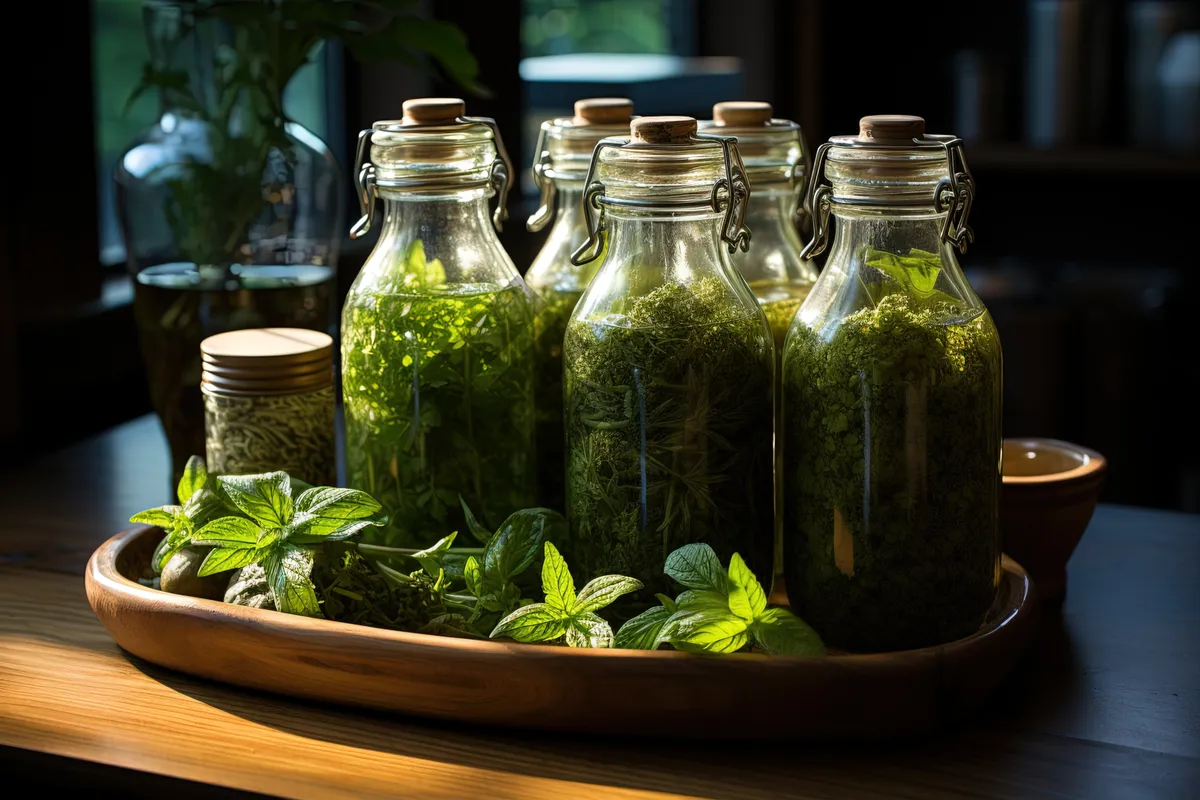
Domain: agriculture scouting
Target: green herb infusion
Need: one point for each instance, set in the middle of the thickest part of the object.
(668, 433)
(438, 385)
(551, 326)
(892, 469)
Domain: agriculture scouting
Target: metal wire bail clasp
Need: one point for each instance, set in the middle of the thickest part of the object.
(593, 212)
(955, 194)
(541, 163)
(364, 183)
(502, 170)
(731, 193)
(818, 202)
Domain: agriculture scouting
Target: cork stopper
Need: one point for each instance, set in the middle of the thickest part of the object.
(603, 111)
(742, 113)
(433, 110)
(266, 361)
(662, 130)
(891, 128)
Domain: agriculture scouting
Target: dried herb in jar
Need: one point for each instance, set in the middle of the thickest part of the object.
(551, 325)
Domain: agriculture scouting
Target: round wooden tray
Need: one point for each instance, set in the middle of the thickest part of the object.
(623, 692)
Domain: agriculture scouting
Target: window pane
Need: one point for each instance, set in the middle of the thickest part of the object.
(557, 27)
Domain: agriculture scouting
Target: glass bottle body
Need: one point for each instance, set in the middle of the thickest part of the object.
(560, 284)
(892, 390)
(437, 350)
(668, 369)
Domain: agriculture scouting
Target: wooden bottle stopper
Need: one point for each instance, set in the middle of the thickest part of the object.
(891, 128)
(662, 130)
(603, 111)
(742, 113)
(433, 110)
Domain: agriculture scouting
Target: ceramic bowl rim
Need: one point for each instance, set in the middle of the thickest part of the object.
(1094, 464)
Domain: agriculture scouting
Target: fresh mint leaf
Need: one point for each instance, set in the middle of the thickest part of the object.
(696, 566)
(746, 596)
(515, 545)
(700, 600)
(589, 630)
(454, 564)
(430, 558)
(289, 570)
(707, 631)
(171, 544)
(666, 601)
(163, 516)
(328, 510)
(481, 534)
(236, 532)
(536, 622)
(265, 498)
(781, 632)
(205, 505)
(221, 559)
(195, 475)
(302, 534)
(557, 583)
(642, 632)
(473, 576)
(600, 592)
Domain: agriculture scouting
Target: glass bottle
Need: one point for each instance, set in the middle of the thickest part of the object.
(229, 220)
(668, 363)
(437, 331)
(564, 152)
(776, 159)
(892, 383)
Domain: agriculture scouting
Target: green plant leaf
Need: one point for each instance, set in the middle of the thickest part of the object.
(236, 532)
(302, 536)
(589, 630)
(746, 596)
(195, 475)
(701, 600)
(430, 558)
(536, 622)
(221, 559)
(169, 546)
(600, 592)
(708, 631)
(205, 505)
(666, 601)
(288, 572)
(265, 498)
(473, 576)
(642, 632)
(163, 516)
(515, 545)
(781, 632)
(481, 534)
(322, 511)
(696, 566)
(557, 583)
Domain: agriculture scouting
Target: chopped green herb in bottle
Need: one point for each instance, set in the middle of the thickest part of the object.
(551, 326)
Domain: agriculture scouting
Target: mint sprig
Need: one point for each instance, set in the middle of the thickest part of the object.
(720, 611)
(566, 613)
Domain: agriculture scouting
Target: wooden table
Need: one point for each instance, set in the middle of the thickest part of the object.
(1107, 705)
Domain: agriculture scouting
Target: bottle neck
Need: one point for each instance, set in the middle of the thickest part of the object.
(465, 213)
(684, 245)
(775, 244)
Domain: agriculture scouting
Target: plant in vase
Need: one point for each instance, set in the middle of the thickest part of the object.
(231, 212)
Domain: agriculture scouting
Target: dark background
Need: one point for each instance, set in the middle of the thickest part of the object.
(1085, 222)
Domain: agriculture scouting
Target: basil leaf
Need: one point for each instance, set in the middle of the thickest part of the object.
(746, 597)
(205, 505)
(666, 601)
(195, 475)
(454, 564)
(163, 516)
(325, 510)
(236, 532)
(301, 535)
(288, 572)
(481, 534)
(515, 545)
(557, 583)
(266, 498)
(599, 592)
(781, 632)
(222, 559)
(473, 576)
(589, 630)
(642, 632)
(696, 566)
(707, 631)
(430, 558)
(536, 622)
(698, 600)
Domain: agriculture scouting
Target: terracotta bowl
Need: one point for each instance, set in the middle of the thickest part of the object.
(1050, 492)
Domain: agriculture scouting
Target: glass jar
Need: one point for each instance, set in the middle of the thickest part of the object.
(437, 331)
(668, 362)
(892, 382)
(230, 220)
(564, 152)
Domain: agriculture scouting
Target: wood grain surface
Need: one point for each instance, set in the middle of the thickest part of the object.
(1106, 704)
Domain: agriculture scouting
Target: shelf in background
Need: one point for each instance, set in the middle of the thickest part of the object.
(1111, 160)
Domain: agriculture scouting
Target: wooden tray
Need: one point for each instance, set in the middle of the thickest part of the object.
(620, 692)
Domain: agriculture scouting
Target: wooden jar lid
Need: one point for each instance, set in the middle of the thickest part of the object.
(891, 128)
(662, 130)
(742, 113)
(603, 111)
(433, 110)
(267, 361)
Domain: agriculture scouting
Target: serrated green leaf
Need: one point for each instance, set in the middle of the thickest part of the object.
(302, 536)
(430, 558)
(236, 532)
(781, 632)
(222, 559)
(163, 516)
(205, 505)
(481, 534)
(708, 631)
(600, 592)
(195, 475)
(642, 632)
(699, 600)
(289, 571)
(473, 576)
(557, 583)
(265, 498)
(696, 566)
(515, 546)
(589, 630)
(536, 622)
(328, 510)
(746, 596)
